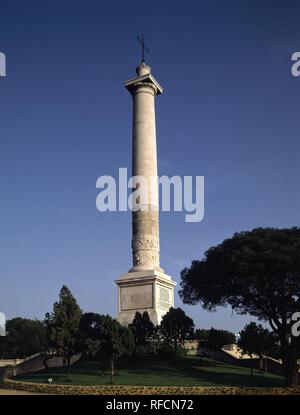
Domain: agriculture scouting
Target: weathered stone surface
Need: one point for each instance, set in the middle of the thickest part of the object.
(150, 291)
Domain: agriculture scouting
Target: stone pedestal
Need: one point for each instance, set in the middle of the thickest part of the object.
(150, 291)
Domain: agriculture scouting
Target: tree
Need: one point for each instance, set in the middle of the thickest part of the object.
(247, 341)
(218, 338)
(63, 326)
(116, 340)
(256, 340)
(257, 273)
(90, 333)
(155, 340)
(142, 329)
(201, 334)
(176, 327)
(103, 336)
(24, 338)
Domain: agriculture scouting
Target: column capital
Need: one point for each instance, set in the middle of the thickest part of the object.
(146, 80)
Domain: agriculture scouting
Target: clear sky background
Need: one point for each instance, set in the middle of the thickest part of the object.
(229, 112)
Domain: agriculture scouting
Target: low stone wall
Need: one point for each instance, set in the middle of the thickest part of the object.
(142, 390)
(10, 362)
(270, 365)
(34, 364)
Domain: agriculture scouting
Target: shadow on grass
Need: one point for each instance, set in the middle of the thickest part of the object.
(185, 371)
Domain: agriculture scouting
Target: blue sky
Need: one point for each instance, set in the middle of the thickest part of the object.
(229, 112)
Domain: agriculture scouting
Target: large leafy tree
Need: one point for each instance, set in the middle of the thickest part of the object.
(63, 326)
(24, 338)
(142, 329)
(256, 340)
(176, 327)
(256, 273)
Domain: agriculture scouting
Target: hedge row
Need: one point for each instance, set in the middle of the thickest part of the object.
(143, 390)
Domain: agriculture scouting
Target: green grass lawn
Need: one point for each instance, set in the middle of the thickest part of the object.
(142, 371)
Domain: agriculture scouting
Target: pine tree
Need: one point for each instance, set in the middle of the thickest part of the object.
(63, 326)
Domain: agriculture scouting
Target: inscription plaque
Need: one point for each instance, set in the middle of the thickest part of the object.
(163, 300)
(137, 297)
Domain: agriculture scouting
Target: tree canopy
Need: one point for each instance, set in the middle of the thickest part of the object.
(176, 327)
(115, 340)
(142, 329)
(255, 272)
(24, 338)
(63, 326)
(257, 340)
(219, 338)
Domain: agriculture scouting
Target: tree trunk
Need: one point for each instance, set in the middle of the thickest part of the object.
(294, 375)
(69, 369)
(112, 371)
(291, 372)
(289, 361)
(251, 363)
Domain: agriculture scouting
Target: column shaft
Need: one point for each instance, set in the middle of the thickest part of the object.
(145, 224)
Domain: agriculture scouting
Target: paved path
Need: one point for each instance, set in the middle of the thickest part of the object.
(13, 392)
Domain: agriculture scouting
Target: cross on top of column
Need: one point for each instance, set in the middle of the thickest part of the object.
(143, 46)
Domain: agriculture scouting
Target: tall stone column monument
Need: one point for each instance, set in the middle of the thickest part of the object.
(145, 287)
